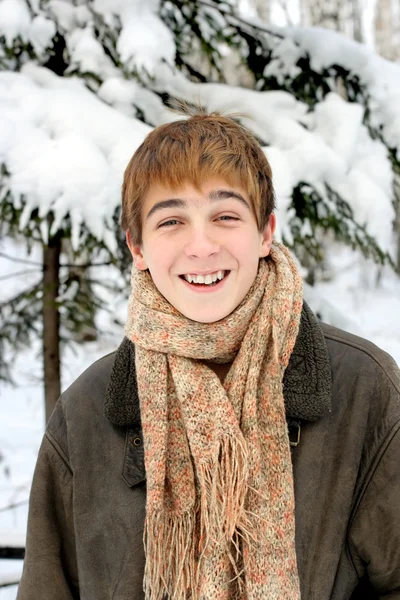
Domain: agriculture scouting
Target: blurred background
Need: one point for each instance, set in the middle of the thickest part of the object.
(81, 85)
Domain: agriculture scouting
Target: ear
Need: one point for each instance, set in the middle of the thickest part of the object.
(137, 253)
(267, 236)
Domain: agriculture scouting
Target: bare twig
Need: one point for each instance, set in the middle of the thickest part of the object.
(18, 296)
(68, 265)
(12, 580)
(259, 26)
(20, 260)
(284, 7)
(87, 265)
(18, 273)
(14, 505)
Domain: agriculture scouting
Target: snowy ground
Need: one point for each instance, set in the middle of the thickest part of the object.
(354, 299)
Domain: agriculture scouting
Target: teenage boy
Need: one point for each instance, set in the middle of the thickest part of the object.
(179, 466)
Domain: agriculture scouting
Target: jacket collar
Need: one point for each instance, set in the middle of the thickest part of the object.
(306, 384)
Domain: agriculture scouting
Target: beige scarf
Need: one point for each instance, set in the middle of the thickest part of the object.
(220, 502)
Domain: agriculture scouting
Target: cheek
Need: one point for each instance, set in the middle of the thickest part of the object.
(160, 258)
(245, 249)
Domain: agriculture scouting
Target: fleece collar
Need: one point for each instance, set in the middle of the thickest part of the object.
(306, 384)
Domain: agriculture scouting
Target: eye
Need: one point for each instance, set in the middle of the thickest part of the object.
(168, 223)
(173, 222)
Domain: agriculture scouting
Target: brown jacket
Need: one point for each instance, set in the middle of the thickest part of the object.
(342, 397)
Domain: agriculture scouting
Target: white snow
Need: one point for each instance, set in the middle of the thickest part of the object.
(65, 149)
(380, 77)
(41, 33)
(144, 39)
(10, 579)
(339, 123)
(125, 95)
(12, 539)
(87, 54)
(63, 12)
(14, 20)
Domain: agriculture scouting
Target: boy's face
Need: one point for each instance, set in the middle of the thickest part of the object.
(190, 232)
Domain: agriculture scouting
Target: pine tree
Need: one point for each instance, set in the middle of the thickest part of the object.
(139, 58)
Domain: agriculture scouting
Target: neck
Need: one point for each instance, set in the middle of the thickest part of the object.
(221, 370)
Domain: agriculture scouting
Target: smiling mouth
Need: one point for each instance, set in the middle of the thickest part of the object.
(214, 283)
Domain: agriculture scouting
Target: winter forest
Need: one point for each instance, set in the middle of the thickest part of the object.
(82, 82)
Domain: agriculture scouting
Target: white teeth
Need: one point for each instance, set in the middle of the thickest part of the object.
(207, 279)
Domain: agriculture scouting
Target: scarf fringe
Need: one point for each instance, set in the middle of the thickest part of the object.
(170, 569)
(173, 562)
(223, 487)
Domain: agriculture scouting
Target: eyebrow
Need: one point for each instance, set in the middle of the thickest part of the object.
(214, 196)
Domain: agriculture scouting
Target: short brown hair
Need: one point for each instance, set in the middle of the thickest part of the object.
(192, 150)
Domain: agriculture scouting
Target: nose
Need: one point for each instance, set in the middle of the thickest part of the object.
(201, 244)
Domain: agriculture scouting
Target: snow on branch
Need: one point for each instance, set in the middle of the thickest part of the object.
(64, 149)
(379, 77)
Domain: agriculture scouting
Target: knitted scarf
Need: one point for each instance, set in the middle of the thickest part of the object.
(220, 503)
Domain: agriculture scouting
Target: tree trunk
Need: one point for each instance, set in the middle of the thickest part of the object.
(339, 15)
(387, 29)
(263, 10)
(357, 21)
(397, 220)
(384, 28)
(51, 324)
(398, 241)
(323, 13)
